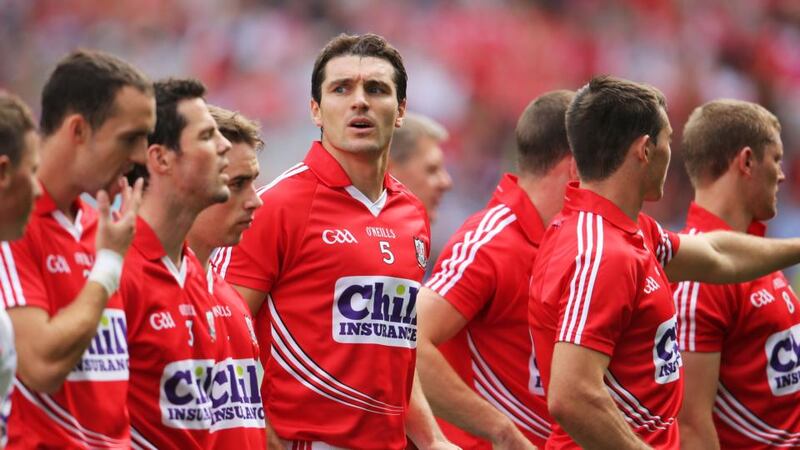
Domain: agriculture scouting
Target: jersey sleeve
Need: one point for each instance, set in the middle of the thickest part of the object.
(705, 312)
(466, 281)
(598, 300)
(663, 242)
(20, 275)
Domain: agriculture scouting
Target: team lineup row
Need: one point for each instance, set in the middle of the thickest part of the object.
(559, 316)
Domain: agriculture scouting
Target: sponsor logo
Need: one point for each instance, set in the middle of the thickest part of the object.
(375, 310)
(338, 237)
(106, 358)
(422, 255)
(666, 354)
(650, 285)
(783, 361)
(380, 232)
(761, 297)
(197, 394)
(161, 321)
(57, 264)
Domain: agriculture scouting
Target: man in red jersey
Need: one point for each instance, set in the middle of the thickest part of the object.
(416, 160)
(480, 286)
(332, 266)
(19, 158)
(58, 279)
(176, 387)
(739, 341)
(222, 225)
(601, 310)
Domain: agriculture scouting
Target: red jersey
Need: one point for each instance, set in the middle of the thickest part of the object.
(598, 282)
(175, 388)
(484, 273)
(342, 274)
(239, 352)
(46, 269)
(755, 327)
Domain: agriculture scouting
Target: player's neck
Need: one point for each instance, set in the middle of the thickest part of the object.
(170, 219)
(366, 170)
(725, 203)
(619, 191)
(546, 193)
(200, 248)
(55, 174)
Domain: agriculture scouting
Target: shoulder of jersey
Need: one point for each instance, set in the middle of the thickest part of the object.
(287, 184)
(409, 195)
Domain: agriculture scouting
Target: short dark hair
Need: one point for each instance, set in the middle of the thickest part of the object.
(169, 122)
(607, 115)
(359, 45)
(414, 128)
(15, 122)
(86, 82)
(718, 130)
(542, 132)
(236, 127)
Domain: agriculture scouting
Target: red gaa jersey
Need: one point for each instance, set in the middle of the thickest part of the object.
(175, 386)
(598, 282)
(484, 273)
(239, 407)
(46, 269)
(755, 327)
(342, 274)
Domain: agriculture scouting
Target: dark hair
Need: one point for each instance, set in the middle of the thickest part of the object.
(359, 45)
(604, 119)
(169, 122)
(542, 132)
(15, 122)
(236, 127)
(86, 82)
(718, 130)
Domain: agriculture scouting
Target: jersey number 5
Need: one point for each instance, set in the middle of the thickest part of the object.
(388, 256)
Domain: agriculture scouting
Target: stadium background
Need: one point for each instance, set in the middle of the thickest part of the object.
(473, 65)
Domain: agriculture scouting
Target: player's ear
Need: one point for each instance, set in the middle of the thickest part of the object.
(641, 148)
(316, 114)
(573, 169)
(6, 172)
(744, 160)
(159, 159)
(78, 129)
(401, 113)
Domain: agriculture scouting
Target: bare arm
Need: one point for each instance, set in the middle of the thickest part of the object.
(253, 297)
(729, 257)
(449, 397)
(579, 402)
(49, 347)
(701, 372)
(421, 427)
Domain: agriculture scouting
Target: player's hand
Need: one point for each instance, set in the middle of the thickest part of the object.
(443, 445)
(117, 234)
(510, 438)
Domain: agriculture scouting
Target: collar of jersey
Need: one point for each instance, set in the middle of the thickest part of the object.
(577, 199)
(146, 241)
(331, 173)
(46, 205)
(510, 194)
(704, 220)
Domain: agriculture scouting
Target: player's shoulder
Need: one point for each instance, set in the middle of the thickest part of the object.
(406, 194)
(291, 185)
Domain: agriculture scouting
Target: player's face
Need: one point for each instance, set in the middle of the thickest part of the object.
(425, 175)
(659, 162)
(767, 175)
(200, 165)
(121, 140)
(358, 109)
(223, 224)
(20, 191)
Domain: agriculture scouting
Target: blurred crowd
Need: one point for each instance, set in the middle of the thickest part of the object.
(473, 65)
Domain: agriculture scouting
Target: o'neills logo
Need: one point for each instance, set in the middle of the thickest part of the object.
(666, 354)
(197, 394)
(783, 361)
(375, 310)
(106, 359)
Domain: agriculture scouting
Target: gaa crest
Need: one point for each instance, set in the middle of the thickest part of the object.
(422, 258)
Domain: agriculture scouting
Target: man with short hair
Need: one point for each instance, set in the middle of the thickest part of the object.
(483, 378)
(416, 160)
(19, 158)
(332, 266)
(601, 312)
(58, 279)
(181, 391)
(735, 338)
(222, 225)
